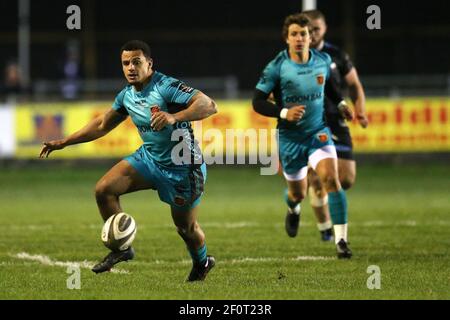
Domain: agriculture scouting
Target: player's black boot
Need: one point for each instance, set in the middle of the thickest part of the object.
(327, 235)
(113, 258)
(199, 271)
(291, 223)
(343, 251)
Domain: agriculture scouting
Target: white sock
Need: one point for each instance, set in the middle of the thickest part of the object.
(340, 232)
(296, 210)
(324, 226)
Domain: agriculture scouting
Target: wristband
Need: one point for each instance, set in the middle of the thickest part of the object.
(342, 105)
(283, 113)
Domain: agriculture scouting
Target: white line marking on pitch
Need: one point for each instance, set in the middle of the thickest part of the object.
(243, 260)
(45, 260)
(271, 259)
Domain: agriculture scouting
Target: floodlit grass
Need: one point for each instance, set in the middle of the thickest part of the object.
(399, 220)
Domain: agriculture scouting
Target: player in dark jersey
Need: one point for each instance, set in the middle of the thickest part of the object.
(298, 78)
(160, 107)
(345, 77)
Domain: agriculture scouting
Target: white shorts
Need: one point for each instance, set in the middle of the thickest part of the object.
(325, 152)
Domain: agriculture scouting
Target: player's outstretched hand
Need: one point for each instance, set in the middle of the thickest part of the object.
(295, 113)
(362, 119)
(345, 111)
(50, 146)
(160, 119)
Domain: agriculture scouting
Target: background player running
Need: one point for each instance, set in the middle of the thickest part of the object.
(297, 77)
(345, 76)
(158, 105)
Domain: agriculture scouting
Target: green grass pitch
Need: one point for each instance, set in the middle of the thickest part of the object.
(399, 221)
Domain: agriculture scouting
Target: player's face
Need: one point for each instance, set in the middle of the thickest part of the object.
(298, 38)
(136, 67)
(317, 30)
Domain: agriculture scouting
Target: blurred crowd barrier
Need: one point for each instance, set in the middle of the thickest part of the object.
(396, 125)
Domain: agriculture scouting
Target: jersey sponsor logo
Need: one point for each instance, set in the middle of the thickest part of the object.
(185, 88)
(263, 78)
(306, 97)
(146, 128)
(141, 104)
(182, 86)
(288, 84)
(322, 136)
(320, 79)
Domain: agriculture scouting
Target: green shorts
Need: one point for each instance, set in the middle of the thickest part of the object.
(179, 186)
(295, 155)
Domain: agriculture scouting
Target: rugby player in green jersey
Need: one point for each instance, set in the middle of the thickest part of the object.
(298, 78)
(161, 108)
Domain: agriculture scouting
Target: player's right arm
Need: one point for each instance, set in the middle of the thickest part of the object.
(96, 128)
(267, 82)
(263, 106)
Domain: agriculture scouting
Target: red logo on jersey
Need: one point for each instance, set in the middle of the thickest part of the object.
(154, 109)
(323, 137)
(320, 79)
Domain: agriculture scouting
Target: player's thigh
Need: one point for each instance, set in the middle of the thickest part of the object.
(347, 171)
(121, 179)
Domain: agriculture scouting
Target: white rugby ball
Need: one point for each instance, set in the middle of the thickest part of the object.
(119, 231)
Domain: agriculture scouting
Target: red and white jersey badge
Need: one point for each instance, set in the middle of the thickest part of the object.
(320, 79)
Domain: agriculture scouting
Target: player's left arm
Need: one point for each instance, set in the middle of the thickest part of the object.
(333, 93)
(199, 107)
(356, 93)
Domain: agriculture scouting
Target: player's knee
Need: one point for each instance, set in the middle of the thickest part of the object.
(188, 232)
(317, 198)
(347, 182)
(101, 189)
(314, 182)
(297, 195)
(331, 183)
(183, 233)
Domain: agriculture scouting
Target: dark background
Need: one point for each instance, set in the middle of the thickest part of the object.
(220, 38)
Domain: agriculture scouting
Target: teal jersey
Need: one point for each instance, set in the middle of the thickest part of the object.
(298, 84)
(166, 94)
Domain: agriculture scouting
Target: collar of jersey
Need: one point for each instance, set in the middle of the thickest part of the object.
(307, 64)
(148, 85)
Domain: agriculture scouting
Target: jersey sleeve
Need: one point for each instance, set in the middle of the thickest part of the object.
(118, 103)
(269, 77)
(346, 64)
(328, 62)
(177, 92)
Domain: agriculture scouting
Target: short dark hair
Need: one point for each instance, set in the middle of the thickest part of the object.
(298, 18)
(137, 45)
(315, 14)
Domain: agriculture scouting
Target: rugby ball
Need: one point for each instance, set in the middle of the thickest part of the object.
(119, 231)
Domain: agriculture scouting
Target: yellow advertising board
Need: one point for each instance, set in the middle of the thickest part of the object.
(402, 125)
(42, 122)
